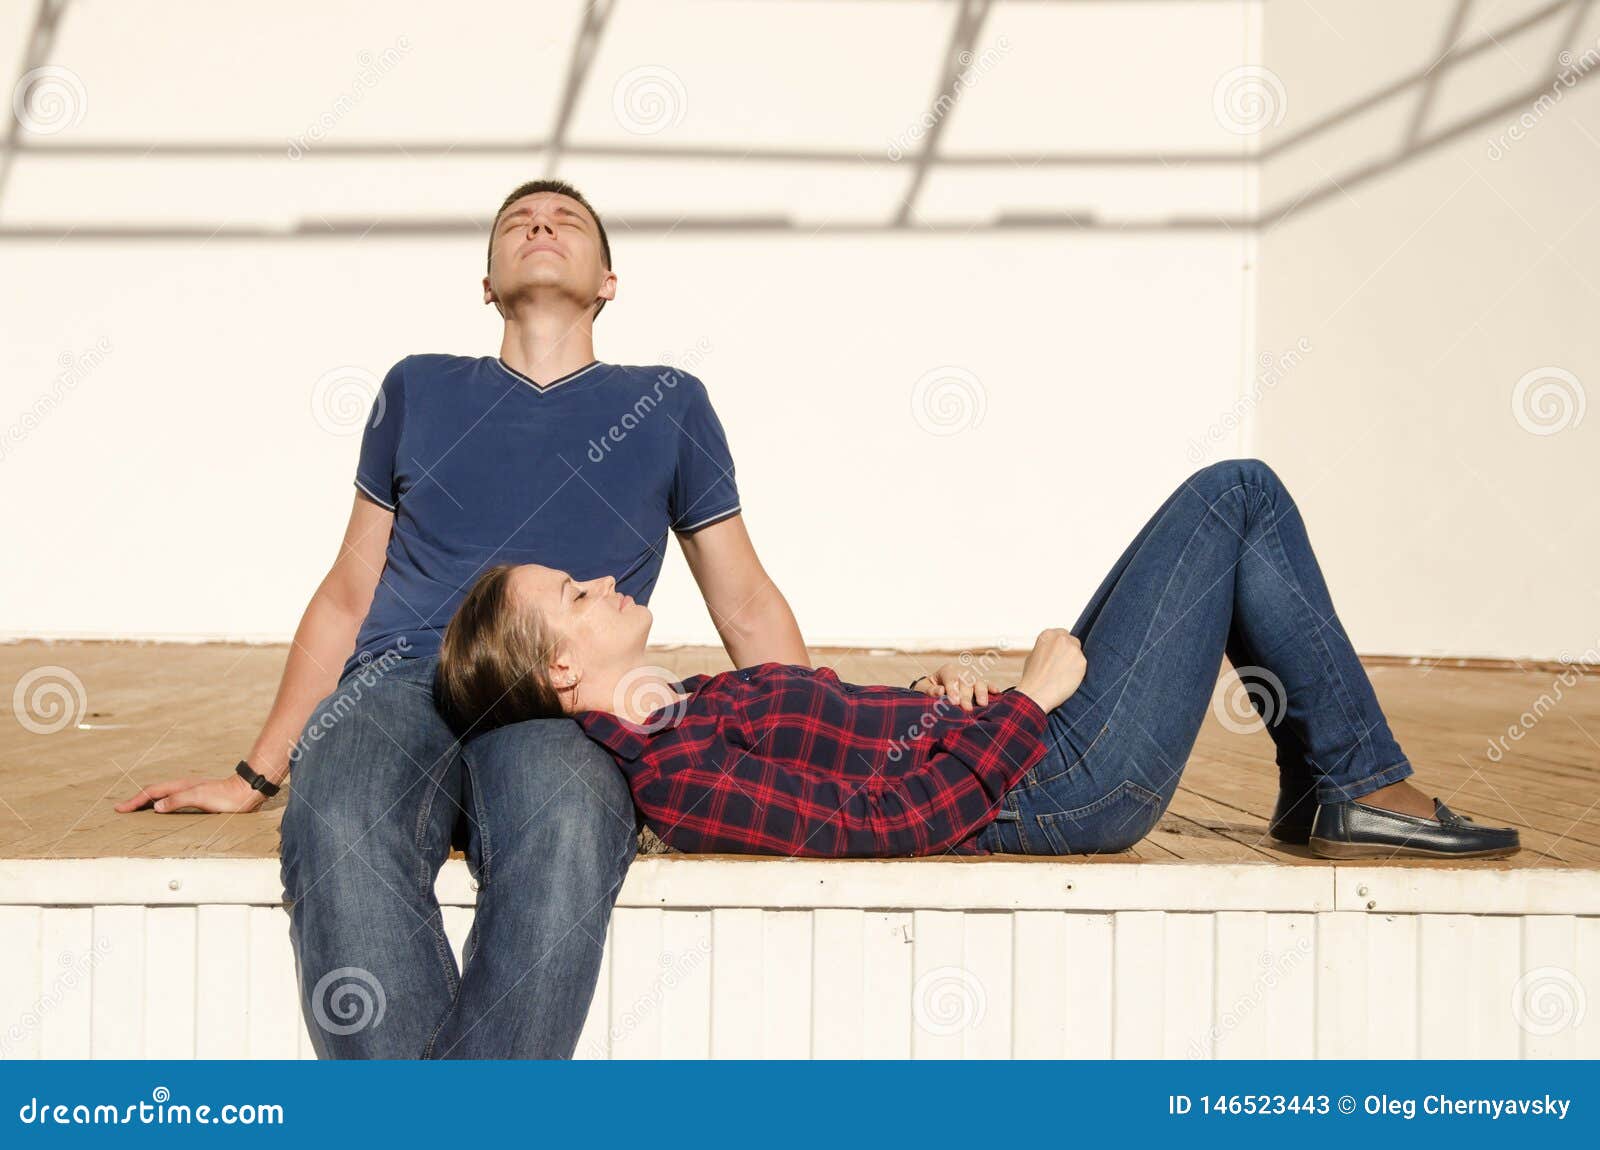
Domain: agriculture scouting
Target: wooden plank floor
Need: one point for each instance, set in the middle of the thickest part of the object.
(151, 711)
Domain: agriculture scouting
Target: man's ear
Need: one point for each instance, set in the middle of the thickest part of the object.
(489, 297)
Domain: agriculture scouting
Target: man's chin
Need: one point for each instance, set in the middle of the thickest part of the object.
(538, 281)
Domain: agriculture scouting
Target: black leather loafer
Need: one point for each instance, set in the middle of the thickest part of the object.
(1353, 830)
(1291, 818)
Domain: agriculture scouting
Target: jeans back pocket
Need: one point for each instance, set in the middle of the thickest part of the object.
(1113, 822)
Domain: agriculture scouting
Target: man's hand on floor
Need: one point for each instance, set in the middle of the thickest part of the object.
(202, 794)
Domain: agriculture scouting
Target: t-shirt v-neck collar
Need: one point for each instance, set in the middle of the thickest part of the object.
(542, 388)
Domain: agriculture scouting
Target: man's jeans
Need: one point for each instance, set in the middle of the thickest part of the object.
(380, 791)
(1224, 567)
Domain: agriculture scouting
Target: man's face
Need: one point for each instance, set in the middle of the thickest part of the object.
(547, 242)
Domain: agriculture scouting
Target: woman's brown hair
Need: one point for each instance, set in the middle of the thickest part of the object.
(493, 662)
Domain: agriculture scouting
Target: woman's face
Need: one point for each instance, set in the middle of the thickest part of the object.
(598, 627)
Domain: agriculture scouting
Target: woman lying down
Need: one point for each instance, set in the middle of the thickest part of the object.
(1082, 756)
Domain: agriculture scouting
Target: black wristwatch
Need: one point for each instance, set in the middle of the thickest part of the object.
(917, 680)
(257, 781)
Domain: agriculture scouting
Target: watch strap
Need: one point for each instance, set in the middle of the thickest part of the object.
(257, 781)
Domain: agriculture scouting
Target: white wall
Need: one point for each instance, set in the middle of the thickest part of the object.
(1431, 264)
(185, 487)
(185, 484)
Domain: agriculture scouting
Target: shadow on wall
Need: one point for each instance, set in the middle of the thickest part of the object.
(1248, 101)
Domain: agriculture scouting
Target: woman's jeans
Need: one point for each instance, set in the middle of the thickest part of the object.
(1224, 567)
(378, 794)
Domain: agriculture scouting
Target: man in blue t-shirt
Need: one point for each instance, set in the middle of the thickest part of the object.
(538, 454)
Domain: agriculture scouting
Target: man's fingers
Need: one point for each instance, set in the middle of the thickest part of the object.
(981, 693)
(153, 791)
(187, 798)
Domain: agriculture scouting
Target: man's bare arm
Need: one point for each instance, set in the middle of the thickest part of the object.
(324, 640)
(751, 614)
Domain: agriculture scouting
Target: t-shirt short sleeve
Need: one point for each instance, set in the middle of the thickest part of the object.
(380, 441)
(703, 488)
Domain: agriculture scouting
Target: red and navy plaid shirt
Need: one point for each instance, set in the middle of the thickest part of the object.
(786, 760)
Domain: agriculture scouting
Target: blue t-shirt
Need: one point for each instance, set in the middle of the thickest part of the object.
(481, 465)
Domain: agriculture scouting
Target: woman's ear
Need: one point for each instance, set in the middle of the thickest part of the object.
(563, 671)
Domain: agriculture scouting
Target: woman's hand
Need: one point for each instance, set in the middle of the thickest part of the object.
(1054, 668)
(959, 683)
(204, 794)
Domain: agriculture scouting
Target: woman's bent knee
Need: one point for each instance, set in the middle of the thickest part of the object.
(1216, 478)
